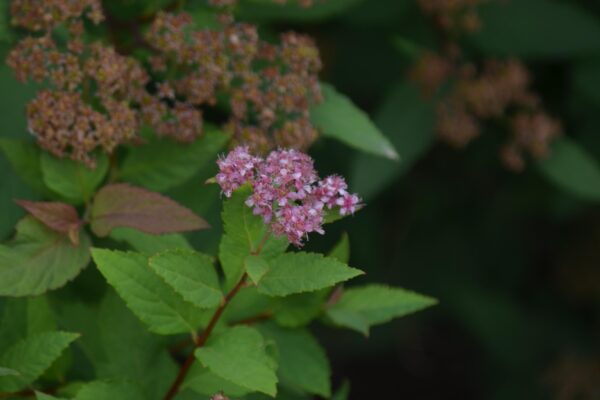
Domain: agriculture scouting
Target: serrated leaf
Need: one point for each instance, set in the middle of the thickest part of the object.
(39, 259)
(24, 157)
(339, 118)
(191, 274)
(409, 121)
(73, 181)
(303, 364)
(113, 390)
(572, 169)
(121, 205)
(162, 163)
(60, 217)
(145, 293)
(204, 382)
(149, 244)
(244, 233)
(341, 251)
(239, 356)
(256, 267)
(362, 307)
(303, 272)
(537, 28)
(31, 357)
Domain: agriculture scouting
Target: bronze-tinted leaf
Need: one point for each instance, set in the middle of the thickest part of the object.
(60, 217)
(123, 205)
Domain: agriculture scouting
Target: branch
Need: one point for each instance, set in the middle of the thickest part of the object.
(201, 341)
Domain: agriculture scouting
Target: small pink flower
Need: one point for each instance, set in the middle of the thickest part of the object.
(286, 191)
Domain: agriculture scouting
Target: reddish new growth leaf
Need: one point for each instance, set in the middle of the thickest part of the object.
(123, 205)
(60, 217)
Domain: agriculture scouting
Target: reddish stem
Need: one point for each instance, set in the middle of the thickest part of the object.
(185, 368)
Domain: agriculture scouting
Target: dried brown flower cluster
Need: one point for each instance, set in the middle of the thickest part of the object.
(499, 91)
(453, 15)
(270, 87)
(106, 96)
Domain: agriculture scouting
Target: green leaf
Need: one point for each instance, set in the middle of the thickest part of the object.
(32, 356)
(73, 181)
(239, 356)
(44, 396)
(339, 118)
(39, 259)
(191, 274)
(256, 267)
(300, 309)
(113, 390)
(202, 381)
(120, 205)
(343, 392)
(145, 293)
(266, 10)
(8, 372)
(303, 364)
(162, 163)
(341, 251)
(24, 157)
(537, 28)
(572, 169)
(119, 346)
(303, 272)
(149, 244)
(244, 233)
(362, 307)
(408, 120)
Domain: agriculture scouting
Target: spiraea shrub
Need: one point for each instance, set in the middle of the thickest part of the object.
(161, 253)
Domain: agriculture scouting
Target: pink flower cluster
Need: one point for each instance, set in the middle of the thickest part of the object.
(286, 191)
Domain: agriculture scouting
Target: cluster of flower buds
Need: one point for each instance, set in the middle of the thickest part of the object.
(498, 92)
(270, 87)
(501, 90)
(286, 190)
(453, 15)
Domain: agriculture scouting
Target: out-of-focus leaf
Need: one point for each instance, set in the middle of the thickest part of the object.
(586, 79)
(73, 181)
(149, 244)
(191, 274)
(362, 307)
(31, 356)
(266, 10)
(339, 118)
(24, 156)
(303, 364)
(343, 392)
(292, 273)
(408, 120)
(341, 251)
(537, 28)
(39, 259)
(121, 205)
(154, 302)
(162, 163)
(112, 390)
(59, 217)
(238, 355)
(572, 169)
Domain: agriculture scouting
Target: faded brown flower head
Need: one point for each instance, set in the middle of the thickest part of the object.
(453, 15)
(270, 87)
(45, 15)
